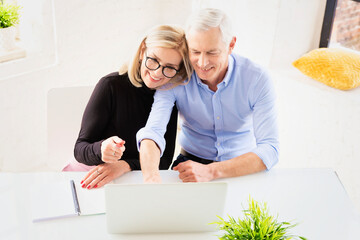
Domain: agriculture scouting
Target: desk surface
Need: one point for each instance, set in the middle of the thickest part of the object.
(314, 198)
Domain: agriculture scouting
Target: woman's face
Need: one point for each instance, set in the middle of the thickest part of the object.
(169, 60)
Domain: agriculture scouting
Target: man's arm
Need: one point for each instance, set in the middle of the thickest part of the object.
(150, 139)
(149, 161)
(245, 164)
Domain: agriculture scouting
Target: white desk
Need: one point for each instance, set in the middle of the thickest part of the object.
(315, 198)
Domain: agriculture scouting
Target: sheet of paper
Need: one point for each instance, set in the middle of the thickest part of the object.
(50, 201)
(55, 200)
(91, 201)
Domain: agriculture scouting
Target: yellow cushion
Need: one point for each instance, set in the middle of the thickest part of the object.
(333, 67)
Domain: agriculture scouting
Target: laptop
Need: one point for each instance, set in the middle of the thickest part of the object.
(164, 208)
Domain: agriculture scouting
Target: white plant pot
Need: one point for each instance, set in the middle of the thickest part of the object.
(7, 38)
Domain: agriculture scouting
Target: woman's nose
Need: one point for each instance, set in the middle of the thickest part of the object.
(158, 72)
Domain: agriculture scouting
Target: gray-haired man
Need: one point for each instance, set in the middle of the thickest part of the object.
(227, 110)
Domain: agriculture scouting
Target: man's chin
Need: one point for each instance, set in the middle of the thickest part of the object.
(204, 74)
(204, 77)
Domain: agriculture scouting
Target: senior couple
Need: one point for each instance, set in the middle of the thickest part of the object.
(226, 105)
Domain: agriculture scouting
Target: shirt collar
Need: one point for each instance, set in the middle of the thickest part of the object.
(228, 74)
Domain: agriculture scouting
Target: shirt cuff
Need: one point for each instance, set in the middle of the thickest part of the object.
(145, 133)
(268, 154)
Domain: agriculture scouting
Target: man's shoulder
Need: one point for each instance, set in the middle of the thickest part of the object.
(245, 64)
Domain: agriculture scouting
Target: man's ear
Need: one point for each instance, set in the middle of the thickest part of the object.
(232, 44)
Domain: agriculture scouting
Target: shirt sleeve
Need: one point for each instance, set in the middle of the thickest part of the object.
(158, 119)
(95, 118)
(263, 103)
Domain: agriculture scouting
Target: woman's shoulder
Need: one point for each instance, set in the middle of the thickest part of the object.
(115, 81)
(115, 78)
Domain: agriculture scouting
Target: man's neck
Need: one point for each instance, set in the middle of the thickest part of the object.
(213, 84)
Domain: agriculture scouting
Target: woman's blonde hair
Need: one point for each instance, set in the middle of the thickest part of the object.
(166, 36)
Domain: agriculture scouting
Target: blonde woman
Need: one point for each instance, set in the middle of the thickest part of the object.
(121, 103)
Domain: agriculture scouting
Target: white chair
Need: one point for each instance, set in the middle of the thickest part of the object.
(65, 107)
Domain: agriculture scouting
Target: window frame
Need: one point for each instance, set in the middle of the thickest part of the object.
(328, 21)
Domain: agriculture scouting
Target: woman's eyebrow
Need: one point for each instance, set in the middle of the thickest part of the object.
(166, 64)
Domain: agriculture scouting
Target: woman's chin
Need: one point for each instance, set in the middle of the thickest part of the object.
(152, 84)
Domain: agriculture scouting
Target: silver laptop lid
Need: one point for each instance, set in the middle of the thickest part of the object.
(167, 207)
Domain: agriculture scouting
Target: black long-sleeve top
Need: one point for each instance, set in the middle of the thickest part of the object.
(118, 108)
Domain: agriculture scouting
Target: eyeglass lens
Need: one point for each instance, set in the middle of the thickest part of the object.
(153, 64)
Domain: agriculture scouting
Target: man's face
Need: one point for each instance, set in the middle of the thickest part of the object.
(209, 54)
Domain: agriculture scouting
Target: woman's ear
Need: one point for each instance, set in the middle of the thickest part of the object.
(142, 52)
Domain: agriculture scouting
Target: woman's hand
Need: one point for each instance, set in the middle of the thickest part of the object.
(104, 173)
(112, 149)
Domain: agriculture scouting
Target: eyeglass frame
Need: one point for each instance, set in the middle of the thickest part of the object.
(163, 67)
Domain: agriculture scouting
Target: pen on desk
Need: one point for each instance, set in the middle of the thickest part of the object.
(75, 198)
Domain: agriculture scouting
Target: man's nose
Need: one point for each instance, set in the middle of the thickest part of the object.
(202, 62)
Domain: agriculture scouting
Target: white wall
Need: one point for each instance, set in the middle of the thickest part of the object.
(93, 38)
(88, 39)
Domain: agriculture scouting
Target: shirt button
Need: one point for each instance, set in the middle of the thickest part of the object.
(217, 118)
(218, 144)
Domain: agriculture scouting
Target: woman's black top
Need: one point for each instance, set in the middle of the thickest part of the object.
(118, 108)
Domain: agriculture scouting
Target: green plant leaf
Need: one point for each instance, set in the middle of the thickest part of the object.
(257, 224)
(9, 15)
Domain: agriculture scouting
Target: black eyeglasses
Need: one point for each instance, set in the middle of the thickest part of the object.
(153, 64)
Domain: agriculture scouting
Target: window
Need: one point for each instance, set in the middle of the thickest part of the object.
(341, 27)
(36, 37)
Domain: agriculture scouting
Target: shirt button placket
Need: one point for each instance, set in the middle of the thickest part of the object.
(217, 122)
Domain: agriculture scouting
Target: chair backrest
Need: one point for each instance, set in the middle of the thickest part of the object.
(65, 107)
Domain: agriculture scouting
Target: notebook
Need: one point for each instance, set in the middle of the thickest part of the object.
(163, 208)
(65, 199)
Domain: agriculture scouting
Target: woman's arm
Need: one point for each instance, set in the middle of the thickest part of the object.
(95, 119)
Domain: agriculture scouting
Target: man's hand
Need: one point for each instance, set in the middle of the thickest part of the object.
(152, 178)
(191, 171)
(149, 161)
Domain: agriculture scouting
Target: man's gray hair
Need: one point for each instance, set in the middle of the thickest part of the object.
(207, 18)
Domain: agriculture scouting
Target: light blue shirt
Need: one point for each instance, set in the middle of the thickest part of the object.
(239, 117)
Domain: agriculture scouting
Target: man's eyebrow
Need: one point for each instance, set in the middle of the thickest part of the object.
(166, 64)
(211, 50)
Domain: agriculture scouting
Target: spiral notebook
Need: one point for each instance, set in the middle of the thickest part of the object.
(65, 199)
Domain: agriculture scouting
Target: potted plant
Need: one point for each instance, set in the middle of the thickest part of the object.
(9, 18)
(257, 224)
